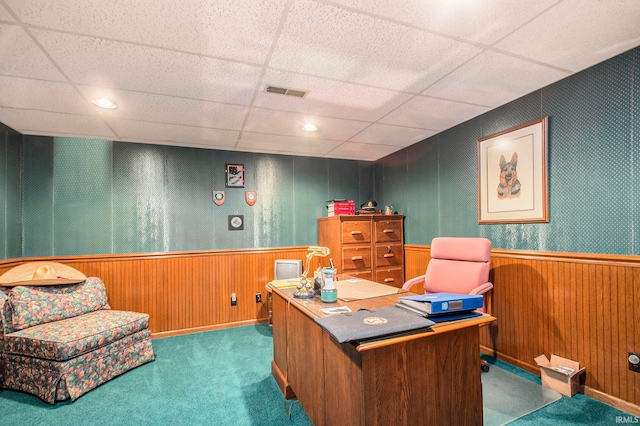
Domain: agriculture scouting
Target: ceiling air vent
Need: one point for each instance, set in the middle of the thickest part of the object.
(285, 91)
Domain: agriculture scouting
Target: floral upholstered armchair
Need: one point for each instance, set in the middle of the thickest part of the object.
(61, 339)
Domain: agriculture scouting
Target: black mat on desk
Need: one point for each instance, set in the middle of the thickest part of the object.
(370, 323)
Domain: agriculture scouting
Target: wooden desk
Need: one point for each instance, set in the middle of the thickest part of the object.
(425, 378)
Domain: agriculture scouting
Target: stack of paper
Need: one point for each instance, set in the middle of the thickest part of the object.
(419, 308)
(287, 283)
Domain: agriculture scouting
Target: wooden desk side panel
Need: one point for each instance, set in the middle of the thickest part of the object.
(343, 384)
(306, 363)
(434, 380)
(279, 364)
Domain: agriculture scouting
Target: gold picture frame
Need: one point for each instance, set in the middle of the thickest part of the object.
(513, 182)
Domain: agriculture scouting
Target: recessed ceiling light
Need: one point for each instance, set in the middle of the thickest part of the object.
(309, 127)
(105, 103)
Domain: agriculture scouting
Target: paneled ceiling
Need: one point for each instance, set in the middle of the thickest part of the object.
(380, 75)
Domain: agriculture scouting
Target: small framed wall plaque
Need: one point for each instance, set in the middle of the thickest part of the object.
(219, 197)
(235, 175)
(236, 222)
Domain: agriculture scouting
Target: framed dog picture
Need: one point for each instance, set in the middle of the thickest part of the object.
(513, 184)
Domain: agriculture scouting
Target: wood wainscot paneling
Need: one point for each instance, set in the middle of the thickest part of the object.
(578, 306)
(183, 292)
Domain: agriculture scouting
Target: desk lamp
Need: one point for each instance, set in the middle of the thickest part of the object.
(305, 287)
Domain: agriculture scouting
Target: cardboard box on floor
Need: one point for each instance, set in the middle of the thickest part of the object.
(560, 374)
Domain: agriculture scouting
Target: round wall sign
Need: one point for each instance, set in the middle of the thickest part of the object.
(236, 222)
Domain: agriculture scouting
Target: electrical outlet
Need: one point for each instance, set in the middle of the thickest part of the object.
(634, 362)
(258, 297)
(234, 300)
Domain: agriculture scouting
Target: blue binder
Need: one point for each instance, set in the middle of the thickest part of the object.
(443, 303)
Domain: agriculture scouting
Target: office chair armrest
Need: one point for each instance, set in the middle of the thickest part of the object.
(413, 281)
(482, 288)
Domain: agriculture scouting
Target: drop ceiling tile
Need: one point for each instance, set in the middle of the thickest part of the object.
(361, 151)
(5, 16)
(242, 30)
(30, 122)
(328, 97)
(574, 36)
(493, 79)
(484, 22)
(289, 124)
(432, 114)
(168, 109)
(111, 64)
(21, 56)
(23, 93)
(184, 135)
(191, 144)
(197, 64)
(332, 42)
(289, 145)
(384, 134)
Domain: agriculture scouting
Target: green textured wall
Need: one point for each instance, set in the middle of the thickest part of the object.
(10, 219)
(84, 196)
(88, 196)
(594, 164)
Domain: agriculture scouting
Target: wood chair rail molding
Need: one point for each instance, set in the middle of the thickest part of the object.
(594, 258)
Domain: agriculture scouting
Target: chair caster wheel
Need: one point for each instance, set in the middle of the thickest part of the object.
(484, 368)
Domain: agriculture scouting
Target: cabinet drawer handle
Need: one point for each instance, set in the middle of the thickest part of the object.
(387, 231)
(356, 232)
(356, 257)
(388, 255)
(389, 280)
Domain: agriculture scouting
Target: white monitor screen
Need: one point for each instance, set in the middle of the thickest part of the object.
(287, 268)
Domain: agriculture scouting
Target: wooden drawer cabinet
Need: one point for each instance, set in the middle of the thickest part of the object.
(367, 246)
(356, 232)
(356, 258)
(389, 255)
(394, 277)
(365, 275)
(388, 231)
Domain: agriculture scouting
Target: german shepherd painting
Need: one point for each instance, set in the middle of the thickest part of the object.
(509, 186)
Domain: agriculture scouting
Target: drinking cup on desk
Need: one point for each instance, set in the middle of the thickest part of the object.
(329, 292)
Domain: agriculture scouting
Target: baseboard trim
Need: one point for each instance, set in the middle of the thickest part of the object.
(163, 334)
(613, 401)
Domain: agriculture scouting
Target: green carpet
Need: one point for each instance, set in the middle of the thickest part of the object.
(223, 377)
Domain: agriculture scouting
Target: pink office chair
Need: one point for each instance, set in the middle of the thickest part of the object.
(457, 265)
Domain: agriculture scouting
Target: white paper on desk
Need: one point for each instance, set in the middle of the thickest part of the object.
(335, 310)
(286, 283)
